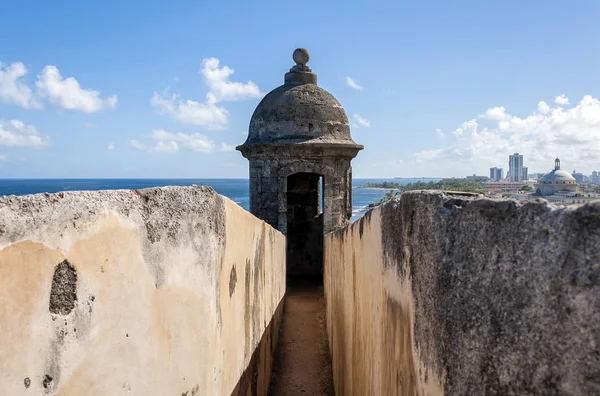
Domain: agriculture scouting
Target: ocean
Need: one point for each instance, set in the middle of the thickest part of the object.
(235, 189)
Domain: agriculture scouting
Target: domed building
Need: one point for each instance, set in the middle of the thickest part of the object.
(299, 147)
(556, 182)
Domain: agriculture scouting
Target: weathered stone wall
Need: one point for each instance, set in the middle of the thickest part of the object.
(272, 199)
(268, 187)
(435, 294)
(166, 291)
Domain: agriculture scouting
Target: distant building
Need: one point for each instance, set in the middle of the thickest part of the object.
(556, 182)
(595, 179)
(579, 178)
(496, 174)
(503, 185)
(572, 198)
(524, 173)
(535, 176)
(515, 167)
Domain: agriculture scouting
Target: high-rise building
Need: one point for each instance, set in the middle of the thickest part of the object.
(578, 177)
(524, 172)
(515, 167)
(595, 179)
(496, 174)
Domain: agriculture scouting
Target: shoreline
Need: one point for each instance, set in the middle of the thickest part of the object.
(376, 188)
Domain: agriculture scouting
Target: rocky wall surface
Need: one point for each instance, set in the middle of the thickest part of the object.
(269, 178)
(451, 294)
(163, 291)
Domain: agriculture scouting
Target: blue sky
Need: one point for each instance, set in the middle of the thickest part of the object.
(116, 89)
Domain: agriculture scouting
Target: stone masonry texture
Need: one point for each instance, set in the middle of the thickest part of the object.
(299, 127)
(159, 291)
(437, 293)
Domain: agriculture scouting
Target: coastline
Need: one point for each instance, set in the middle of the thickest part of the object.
(376, 188)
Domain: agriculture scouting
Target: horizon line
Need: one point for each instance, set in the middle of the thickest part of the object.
(188, 178)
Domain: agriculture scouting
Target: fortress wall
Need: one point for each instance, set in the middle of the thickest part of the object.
(163, 291)
(449, 294)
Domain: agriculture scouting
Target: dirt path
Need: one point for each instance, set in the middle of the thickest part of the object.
(302, 364)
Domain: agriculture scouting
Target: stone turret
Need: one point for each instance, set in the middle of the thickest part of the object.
(300, 148)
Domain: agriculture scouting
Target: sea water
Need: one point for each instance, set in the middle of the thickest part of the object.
(235, 189)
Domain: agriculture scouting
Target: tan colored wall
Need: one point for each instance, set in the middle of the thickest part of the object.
(437, 294)
(178, 292)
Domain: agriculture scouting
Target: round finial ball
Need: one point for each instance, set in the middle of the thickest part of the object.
(301, 56)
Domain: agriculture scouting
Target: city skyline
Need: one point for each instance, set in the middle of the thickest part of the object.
(495, 171)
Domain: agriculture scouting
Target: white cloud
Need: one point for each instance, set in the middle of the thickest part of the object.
(440, 133)
(495, 113)
(467, 127)
(66, 93)
(111, 146)
(226, 147)
(3, 157)
(221, 88)
(571, 134)
(15, 133)
(543, 107)
(362, 121)
(208, 113)
(138, 145)
(166, 147)
(62, 92)
(352, 84)
(12, 90)
(193, 142)
(167, 142)
(561, 100)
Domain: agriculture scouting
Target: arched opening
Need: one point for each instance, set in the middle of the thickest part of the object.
(304, 224)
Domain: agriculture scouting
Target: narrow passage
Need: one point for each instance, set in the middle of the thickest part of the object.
(302, 364)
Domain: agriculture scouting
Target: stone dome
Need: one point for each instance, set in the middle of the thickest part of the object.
(558, 176)
(299, 112)
(556, 182)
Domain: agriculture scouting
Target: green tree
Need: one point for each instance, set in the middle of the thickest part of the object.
(381, 185)
(453, 184)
